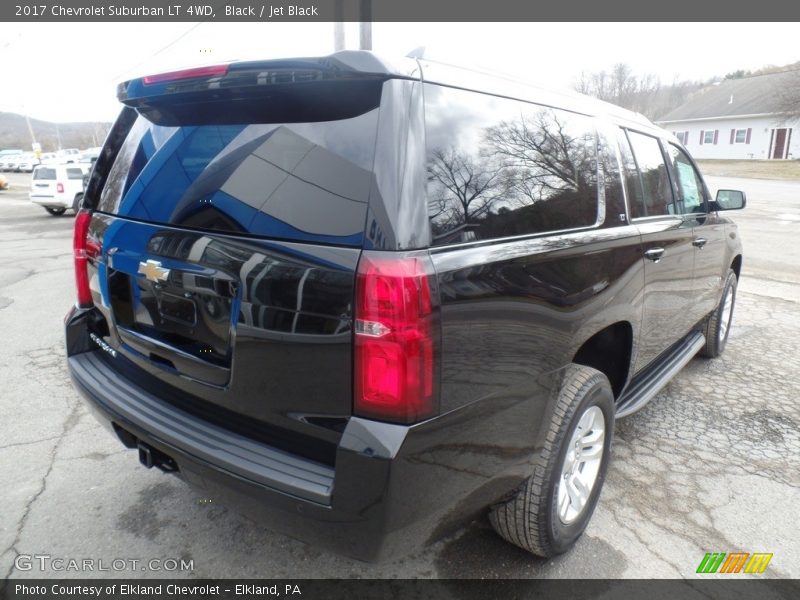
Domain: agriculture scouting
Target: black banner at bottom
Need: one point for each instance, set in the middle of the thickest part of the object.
(369, 589)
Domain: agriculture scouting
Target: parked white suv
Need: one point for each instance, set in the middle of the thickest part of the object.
(57, 187)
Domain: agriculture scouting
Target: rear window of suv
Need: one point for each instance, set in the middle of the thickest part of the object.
(302, 181)
(44, 173)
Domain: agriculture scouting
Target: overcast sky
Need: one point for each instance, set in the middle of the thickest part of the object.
(68, 72)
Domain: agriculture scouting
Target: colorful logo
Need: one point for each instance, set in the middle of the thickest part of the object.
(734, 562)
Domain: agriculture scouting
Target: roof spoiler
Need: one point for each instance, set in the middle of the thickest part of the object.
(227, 77)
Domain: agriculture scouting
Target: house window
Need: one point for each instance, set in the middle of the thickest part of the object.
(708, 136)
(682, 136)
(740, 137)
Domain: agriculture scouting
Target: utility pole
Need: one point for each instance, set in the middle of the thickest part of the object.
(30, 129)
(338, 25)
(365, 27)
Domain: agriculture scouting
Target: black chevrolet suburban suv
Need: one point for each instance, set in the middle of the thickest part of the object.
(365, 302)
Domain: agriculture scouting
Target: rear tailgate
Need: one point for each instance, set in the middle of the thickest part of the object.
(228, 258)
(43, 183)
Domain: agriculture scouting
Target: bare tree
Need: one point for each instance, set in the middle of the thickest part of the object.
(463, 187)
(622, 87)
(540, 155)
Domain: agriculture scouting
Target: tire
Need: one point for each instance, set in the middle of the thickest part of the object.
(533, 518)
(76, 203)
(718, 326)
(56, 212)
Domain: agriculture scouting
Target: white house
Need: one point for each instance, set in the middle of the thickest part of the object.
(738, 118)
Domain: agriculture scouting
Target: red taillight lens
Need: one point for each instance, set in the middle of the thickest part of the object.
(82, 250)
(198, 72)
(60, 187)
(396, 339)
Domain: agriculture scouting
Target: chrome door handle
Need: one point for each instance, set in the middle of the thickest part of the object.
(699, 242)
(654, 254)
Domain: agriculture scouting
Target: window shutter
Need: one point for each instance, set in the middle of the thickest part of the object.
(747, 139)
(733, 135)
(716, 136)
(701, 136)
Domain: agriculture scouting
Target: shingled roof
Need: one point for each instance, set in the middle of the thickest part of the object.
(758, 94)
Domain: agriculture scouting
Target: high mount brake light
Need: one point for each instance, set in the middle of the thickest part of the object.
(195, 73)
(396, 339)
(82, 249)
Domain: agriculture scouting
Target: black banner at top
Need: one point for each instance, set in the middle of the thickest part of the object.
(398, 589)
(104, 11)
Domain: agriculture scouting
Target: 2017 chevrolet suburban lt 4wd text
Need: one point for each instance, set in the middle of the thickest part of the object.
(365, 302)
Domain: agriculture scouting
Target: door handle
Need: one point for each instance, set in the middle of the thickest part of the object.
(699, 242)
(654, 254)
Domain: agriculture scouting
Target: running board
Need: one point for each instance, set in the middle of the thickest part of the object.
(643, 388)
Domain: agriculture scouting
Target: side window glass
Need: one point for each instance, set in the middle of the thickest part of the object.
(690, 187)
(656, 189)
(500, 168)
(633, 182)
(612, 180)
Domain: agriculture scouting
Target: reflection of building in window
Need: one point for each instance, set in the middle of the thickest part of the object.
(279, 293)
(287, 297)
(300, 181)
(283, 179)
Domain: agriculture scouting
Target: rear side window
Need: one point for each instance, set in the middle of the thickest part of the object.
(303, 181)
(44, 173)
(74, 174)
(500, 168)
(654, 196)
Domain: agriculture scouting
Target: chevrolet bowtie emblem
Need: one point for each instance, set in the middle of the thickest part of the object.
(153, 271)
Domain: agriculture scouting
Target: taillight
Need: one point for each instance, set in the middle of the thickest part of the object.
(396, 338)
(60, 187)
(82, 250)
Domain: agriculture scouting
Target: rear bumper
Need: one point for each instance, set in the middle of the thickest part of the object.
(51, 201)
(132, 407)
(387, 495)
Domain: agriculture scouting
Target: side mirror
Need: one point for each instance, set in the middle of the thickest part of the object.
(729, 200)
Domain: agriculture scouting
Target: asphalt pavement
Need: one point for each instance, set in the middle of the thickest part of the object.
(710, 465)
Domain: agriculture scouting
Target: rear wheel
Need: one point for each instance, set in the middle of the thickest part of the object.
(56, 212)
(718, 326)
(553, 507)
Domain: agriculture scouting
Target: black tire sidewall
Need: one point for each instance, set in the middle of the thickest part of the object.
(563, 536)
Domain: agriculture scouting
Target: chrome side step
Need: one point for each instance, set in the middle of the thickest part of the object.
(643, 388)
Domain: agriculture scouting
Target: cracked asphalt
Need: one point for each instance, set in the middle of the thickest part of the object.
(711, 465)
